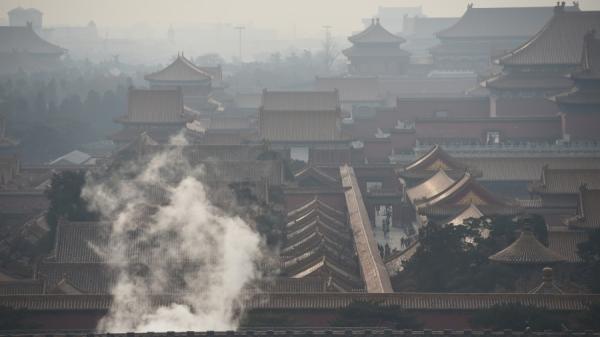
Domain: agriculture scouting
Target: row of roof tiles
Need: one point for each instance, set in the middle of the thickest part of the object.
(279, 301)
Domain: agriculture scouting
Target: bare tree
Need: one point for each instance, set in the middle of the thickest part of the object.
(330, 49)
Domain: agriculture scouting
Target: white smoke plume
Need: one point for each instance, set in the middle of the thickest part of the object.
(167, 238)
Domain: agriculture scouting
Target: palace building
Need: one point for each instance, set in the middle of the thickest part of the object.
(22, 48)
(195, 82)
(482, 34)
(376, 51)
(537, 69)
(158, 112)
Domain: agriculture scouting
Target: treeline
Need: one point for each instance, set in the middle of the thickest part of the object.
(51, 114)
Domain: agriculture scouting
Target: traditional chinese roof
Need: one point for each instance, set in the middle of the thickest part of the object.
(300, 101)
(21, 287)
(326, 266)
(464, 191)
(565, 243)
(529, 81)
(23, 202)
(317, 206)
(25, 40)
(525, 168)
(527, 250)
(312, 175)
(430, 187)
(376, 277)
(181, 70)
(507, 22)
(588, 216)
(76, 242)
(547, 286)
(321, 227)
(434, 160)
(154, 106)
(375, 34)
(329, 301)
(565, 181)
(92, 278)
(587, 78)
(471, 212)
(318, 241)
(255, 171)
(559, 42)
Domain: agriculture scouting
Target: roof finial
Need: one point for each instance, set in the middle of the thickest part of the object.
(559, 8)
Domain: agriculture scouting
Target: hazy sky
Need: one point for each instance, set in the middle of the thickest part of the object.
(305, 16)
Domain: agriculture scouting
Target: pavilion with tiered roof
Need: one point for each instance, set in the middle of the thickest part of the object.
(195, 82)
(539, 67)
(483, 33)
(376, 51)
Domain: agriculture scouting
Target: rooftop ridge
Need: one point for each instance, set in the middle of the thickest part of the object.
(327, 301)
(376, 277)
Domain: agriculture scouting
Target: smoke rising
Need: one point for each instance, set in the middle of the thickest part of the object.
(182, 263)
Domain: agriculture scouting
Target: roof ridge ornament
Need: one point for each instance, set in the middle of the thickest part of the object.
(559, 8)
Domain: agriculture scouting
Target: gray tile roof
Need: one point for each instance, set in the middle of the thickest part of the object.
(566, 181)
(527, 250)
(24, 39)
(180, 70)
(430, 187)
(376, 277)
(155, 106)
(525, 168)
(301, 101)
(408, 301)
(508, 22)
(565, 243)
(376, 34)
(560, 42)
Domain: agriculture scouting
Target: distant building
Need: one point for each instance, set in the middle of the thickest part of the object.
(393, 17)
(300, 116)
(22, 48)
(158, 112)
(538, 69)
(21, 17)
(195, 82)
(420, 34)
(482, 34)
(376, 51)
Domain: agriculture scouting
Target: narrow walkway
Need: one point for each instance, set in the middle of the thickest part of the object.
(376, 277)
